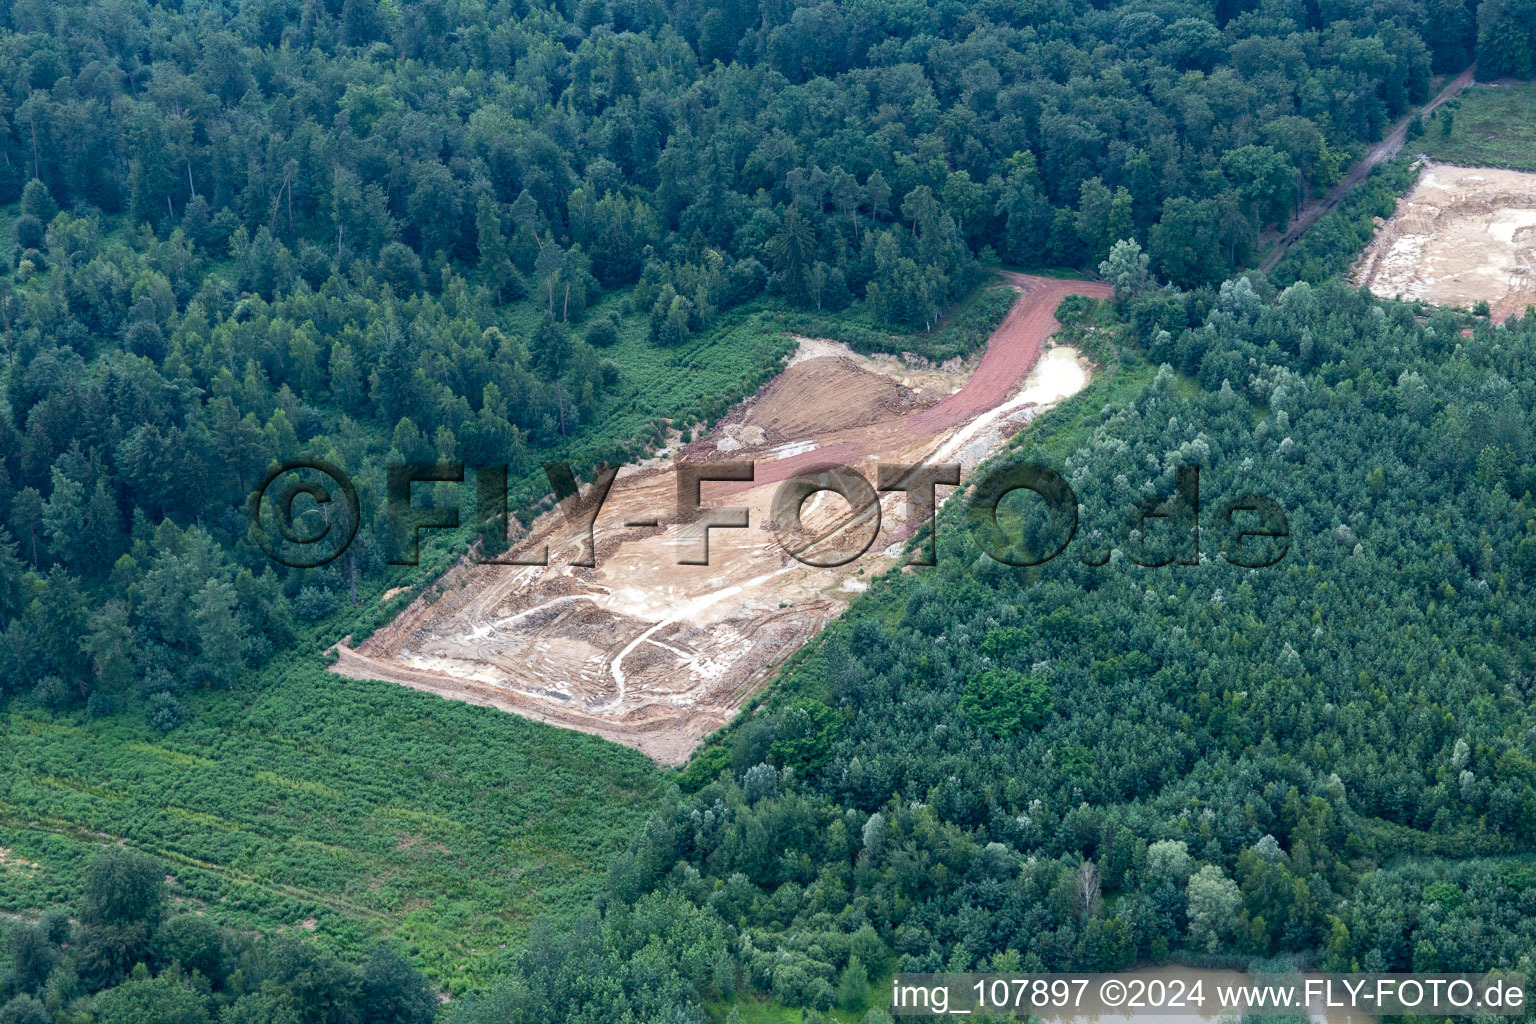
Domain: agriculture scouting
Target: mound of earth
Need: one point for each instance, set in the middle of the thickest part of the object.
(794, 405)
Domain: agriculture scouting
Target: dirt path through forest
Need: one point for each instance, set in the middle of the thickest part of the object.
(1385, 150)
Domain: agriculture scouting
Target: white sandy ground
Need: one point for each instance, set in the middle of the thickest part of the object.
(1461, 236)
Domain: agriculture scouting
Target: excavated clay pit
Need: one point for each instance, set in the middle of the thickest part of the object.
(1463, 235)
(657, 655)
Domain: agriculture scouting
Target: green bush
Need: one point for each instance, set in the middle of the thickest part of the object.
(1004, 701)
(603, 332)
(164, 711)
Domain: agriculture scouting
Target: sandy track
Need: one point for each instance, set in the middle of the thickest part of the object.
(656, 655)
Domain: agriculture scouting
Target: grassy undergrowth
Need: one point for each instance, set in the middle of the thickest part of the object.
(1492, 126)
(359, 809)
(965, 327)
(355, 809)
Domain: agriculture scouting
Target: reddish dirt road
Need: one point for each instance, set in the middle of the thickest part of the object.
(1011, 353)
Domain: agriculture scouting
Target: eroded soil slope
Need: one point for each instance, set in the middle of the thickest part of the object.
(657, 655)
(1463, 235)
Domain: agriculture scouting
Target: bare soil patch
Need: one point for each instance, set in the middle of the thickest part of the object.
(657, 655)
(793, 405)
(1463, 235)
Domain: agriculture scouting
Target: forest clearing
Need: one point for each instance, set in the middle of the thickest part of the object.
(1464, 235)
(656, 655)
(648, 279)
(1490, 125)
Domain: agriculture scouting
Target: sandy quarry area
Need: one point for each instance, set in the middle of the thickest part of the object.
(1464, 234)
(657, 655)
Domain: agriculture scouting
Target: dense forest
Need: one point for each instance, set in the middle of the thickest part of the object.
(244, 232)
(1330, 762)
(146, 964)
(263, 230)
